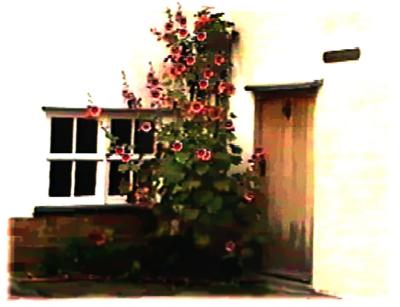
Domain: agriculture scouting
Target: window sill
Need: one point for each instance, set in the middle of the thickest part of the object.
(109, 110)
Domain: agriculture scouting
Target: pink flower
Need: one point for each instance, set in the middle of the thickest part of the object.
(183, 21)
(215, 113)
(126, 93)
(229, 125)
(126, 158)
(168, 26)
(202, 36)
(249, 196)
(258, 153)
(226, 88)
(203, 84)
(176, 50)
(176, 146)
(180, 68)
(93, 111)
(203, 154)
(230, 246)
(183, 33)
(196, 107)
(219, 60)
(155, 93)
(145, 127)
(119, 150)
(190, 60)
(208, 73)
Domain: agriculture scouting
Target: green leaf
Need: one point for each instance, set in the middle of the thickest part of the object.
(123, 168)
(215, 204)
(247, 252)
(177, 188)
(201, 239)
(182, 157)
(191, 184)
(236, 160)
(202, 168)
(222, 185)
(235, 149)
(124, 186)
(202, 197)
(190, 214)
(224, 217)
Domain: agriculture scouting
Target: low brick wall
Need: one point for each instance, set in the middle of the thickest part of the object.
(30, 239)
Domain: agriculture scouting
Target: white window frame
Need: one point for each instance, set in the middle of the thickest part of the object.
(101, 196)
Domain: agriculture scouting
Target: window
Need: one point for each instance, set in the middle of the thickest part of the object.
(79, 170)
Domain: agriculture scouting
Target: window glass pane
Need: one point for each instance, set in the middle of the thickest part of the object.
(60, 178)
(61, 135)
(115, 178)
(85, 178)
(122, 128)
(86, 138)
(144, 136)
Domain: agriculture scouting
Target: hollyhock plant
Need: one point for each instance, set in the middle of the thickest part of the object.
(193, 177)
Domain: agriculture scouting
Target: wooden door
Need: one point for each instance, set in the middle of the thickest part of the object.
(284, 128)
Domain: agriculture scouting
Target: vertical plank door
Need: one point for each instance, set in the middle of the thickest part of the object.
(284, 128)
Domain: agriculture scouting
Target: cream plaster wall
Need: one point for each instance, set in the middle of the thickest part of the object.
(53, 52)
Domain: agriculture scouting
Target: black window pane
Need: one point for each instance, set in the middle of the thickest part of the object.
(60, 178)
(144, 136)
(122, 128)
(115, 178)
(85, 178)
(61, 135)
(86, 138)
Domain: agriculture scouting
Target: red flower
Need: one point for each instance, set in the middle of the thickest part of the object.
(126, 158)
(168, 26)
(215, 113)
(180, 68)
(145, 127)
(226, 88)
(176, 50)
(203, 84)
(229, 125)
(203, 154)
(230, 246)
(98, 238)
(219, 59)
(119, 150)
(196, 107)
(93, 111)
(178, 16)
(183, 33)
(190, 60)
(208, 73)
(155, 94)
(183, 21)
(249, 197)
(126, 93)
(176, 146)
(201, 36)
